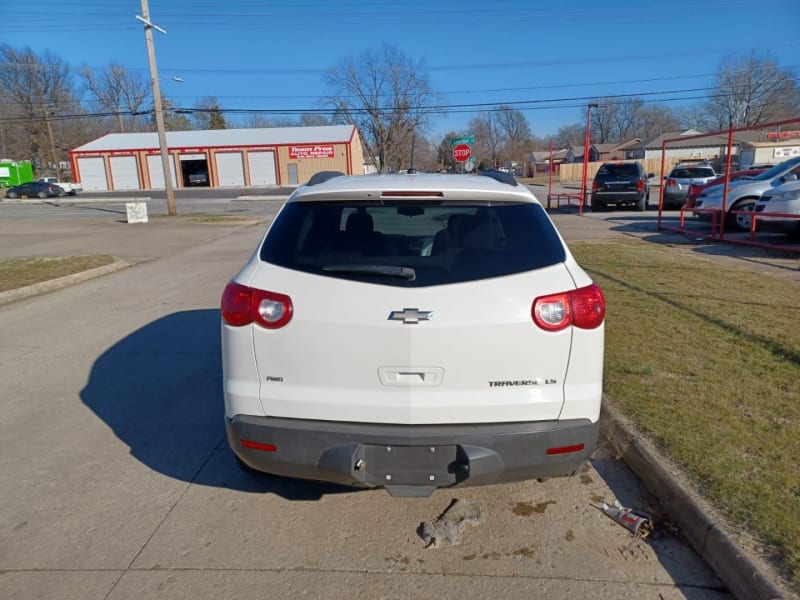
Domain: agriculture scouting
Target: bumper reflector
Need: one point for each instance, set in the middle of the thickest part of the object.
(263, 447)
(565, 449)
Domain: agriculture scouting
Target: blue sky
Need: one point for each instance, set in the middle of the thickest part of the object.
(548, 56)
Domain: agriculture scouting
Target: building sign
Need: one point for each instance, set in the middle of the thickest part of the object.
(782, 135)
(310, 152)
(786, 152)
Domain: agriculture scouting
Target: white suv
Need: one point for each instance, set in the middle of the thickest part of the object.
(412, 332)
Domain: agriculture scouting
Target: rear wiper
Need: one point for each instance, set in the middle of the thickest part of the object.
(388, 270)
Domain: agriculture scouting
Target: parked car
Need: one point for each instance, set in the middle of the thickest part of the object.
(198, 179)
(68, 187)
(696, 189)
(620, 184)
(356, 339)
(744, 193)
(785, 200)
(34, 189)
(680, 179)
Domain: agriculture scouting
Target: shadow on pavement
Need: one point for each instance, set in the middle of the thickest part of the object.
(160, 390)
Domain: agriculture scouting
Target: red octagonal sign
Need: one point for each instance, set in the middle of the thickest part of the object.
(462, 152)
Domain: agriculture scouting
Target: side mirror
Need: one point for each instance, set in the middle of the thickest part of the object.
(651, 175)
(789, 177)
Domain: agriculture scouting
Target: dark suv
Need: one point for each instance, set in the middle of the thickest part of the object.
(620, 183)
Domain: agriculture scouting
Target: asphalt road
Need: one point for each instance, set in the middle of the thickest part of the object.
(118, 483)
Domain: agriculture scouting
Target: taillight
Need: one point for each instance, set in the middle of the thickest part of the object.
(640, 186)
(242, 305)
(584, 308)
(671, 182)
(594, 186)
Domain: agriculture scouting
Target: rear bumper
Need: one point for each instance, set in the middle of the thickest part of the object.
(618, 197)
(412, 459)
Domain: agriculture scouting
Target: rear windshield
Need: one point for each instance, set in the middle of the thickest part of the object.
(692, 172)
(412, 244)
(626, 169)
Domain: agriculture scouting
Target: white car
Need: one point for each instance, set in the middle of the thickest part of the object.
(413, 332)
(783, 200)
(743, 194)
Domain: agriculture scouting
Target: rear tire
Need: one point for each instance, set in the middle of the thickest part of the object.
(641, 204)
(597, 206)
(42, 195)
(741, 222)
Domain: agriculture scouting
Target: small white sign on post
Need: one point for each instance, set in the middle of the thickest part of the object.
(137, 212)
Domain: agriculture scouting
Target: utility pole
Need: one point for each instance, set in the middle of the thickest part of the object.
(158, 107)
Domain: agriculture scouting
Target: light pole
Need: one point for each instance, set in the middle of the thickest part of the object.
(159, 109)
(586, 143)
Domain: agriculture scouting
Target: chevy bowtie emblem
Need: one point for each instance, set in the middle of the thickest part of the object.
(411, 315)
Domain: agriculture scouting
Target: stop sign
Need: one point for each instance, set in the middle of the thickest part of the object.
(462, 152)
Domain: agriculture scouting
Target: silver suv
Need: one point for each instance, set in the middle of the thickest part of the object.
(412, 332)
(681, 178)
(744, 193)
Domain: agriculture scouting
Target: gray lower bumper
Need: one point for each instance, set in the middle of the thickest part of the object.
(411, 459)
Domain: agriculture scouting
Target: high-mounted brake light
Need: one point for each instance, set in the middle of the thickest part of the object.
(242, 305)
(584, 308)
(411, 194)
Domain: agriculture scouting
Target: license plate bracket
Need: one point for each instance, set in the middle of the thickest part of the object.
(406, 465)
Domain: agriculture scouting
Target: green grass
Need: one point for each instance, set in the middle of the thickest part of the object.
(705, 359)
(19, 272)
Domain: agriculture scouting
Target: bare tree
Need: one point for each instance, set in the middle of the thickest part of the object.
(516, 133)
(655, 119)
(605, 119)
(752, 89)
(488, 137)
(387, 96)
(569, 135)
(207, 114)
(42, 90)
(313, 120)
(119, 91)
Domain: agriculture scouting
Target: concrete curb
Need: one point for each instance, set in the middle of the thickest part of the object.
(60, 282)
(747, 577)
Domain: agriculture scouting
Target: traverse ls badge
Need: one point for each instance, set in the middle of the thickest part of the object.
(411, 315)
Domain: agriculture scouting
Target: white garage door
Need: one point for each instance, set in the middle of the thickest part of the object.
(262, 168)
(157, 171)
(230, 168)
(93, 174)
(124, 173)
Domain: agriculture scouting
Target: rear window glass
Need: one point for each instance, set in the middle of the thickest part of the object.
(412, 244)
(692, 172)
(626, 169)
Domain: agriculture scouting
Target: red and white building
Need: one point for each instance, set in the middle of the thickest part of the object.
(279, 156)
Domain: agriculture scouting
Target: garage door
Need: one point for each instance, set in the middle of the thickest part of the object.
(230, 168)
(157, 171)
(124, 173)
(262, 168)
(93, 174)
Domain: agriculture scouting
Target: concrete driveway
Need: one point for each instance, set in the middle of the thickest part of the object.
(117, 481)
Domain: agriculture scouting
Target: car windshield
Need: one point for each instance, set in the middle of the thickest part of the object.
(776, 170)
(412, 243)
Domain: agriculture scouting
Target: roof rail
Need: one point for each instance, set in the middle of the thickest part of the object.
(500, 176)
(323, 176)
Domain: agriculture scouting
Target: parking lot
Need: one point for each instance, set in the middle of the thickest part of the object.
(118, 482)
